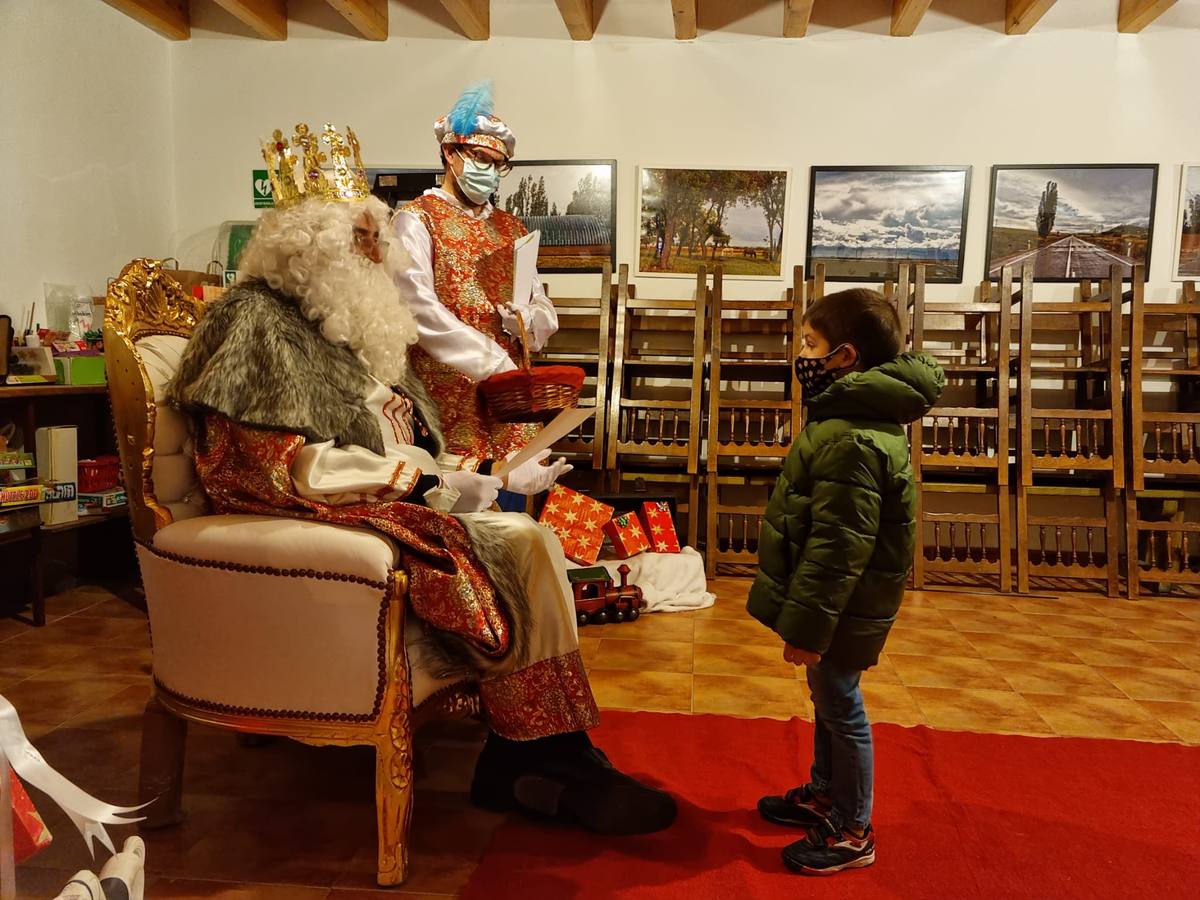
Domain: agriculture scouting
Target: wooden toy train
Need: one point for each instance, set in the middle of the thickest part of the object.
(598, 600)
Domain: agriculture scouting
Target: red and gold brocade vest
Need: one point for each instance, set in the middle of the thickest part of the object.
(472, 274)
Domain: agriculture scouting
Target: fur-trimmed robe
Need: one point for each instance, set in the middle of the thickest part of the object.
(257, 361)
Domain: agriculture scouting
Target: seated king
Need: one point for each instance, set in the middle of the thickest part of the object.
(298, 383)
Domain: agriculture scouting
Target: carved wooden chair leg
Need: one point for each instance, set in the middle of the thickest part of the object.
(160, 781)
(393, 797)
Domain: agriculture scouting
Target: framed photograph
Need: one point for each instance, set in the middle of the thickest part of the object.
(865, 222)
(395, 185)
(573, 203)
(1187, 229)
(693, 217)
(1071, 222)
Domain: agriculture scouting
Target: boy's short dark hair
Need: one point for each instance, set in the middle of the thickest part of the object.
(861, 318)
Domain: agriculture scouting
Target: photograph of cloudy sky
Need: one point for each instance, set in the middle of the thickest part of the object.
(866, 222)
(1071, 222)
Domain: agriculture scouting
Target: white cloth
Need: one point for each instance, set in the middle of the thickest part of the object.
(443, 335)
(670, 582)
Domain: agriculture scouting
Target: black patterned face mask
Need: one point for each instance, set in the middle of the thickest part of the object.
(812, 374)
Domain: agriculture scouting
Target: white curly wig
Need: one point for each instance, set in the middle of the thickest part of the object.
(307, 252)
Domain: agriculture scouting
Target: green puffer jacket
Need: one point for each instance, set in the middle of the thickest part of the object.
(837, 537)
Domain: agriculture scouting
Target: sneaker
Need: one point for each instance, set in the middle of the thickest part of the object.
(827, 849)
(800, 806)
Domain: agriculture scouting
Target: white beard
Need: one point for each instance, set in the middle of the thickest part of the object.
(305, 252)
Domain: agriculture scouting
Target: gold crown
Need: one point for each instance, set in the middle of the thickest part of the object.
(335, 176)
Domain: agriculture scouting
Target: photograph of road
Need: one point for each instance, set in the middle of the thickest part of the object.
(1071, 222)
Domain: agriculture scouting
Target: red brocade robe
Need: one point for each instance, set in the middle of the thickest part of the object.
(473, 271)
(248, 470)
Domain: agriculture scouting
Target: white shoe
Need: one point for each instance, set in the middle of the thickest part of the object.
(124, 876)
(84, 886)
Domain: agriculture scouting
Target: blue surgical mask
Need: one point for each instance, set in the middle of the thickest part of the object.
(477, 182)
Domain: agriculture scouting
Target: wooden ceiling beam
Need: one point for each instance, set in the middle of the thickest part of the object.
(170, 18)
(267, 18)
(906, 15)
(579, 17)
(1134, 15)
(474, 17)
(1022, 15)
(796, 14)
(684, 12)
(369, 17)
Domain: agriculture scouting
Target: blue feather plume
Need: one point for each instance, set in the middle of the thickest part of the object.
(475, 101)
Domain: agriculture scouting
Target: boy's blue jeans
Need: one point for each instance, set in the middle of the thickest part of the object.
(843, 757)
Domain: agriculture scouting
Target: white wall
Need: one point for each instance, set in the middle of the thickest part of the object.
(85, 147)
(116, 143)
(961, 91)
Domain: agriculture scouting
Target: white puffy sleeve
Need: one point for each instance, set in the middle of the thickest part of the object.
(442, 334)
(350, 474)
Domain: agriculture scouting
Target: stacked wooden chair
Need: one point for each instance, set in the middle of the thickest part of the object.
(1070, 436)
(753, 414)
(960, 450)
(655, 409)
(585, 338)
(1161, 499)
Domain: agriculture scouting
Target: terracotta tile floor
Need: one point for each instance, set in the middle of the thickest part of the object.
(295, 822)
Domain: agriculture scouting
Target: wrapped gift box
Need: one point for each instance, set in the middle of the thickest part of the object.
(578, 520)
(30, 834)
(660, 527)
(627, 536)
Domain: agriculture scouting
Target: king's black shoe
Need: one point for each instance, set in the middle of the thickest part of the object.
(565, 779)
(827, 849)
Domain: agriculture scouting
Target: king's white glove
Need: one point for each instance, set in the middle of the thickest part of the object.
(475, 492)
(531, 477)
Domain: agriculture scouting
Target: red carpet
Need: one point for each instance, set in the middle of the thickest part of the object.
(957, 815)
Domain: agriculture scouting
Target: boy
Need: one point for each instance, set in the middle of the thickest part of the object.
(835, 552)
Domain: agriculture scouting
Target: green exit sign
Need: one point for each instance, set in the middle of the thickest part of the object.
(262, 189)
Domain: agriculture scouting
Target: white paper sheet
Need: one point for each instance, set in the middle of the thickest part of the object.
(525, 254)
(557, 429)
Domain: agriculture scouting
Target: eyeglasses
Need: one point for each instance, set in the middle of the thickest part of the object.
(481, 158)
(365, 241)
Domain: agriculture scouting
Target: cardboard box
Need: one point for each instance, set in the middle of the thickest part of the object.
(100, 501)
(660, 527)
(578, 521)
(80, 370)
(58, 463)
(33, 365)
(30, 834)
(628, 538)
(20, 495)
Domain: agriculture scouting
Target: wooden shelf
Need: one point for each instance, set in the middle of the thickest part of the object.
(84, 521)
(26, 391)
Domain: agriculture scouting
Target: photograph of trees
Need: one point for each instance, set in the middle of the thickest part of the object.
(695, 217)
(1187, 262)
(572, 203)
(1071, 222)
(865, 222)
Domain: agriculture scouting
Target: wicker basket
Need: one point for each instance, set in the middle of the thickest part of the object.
(529, 394)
